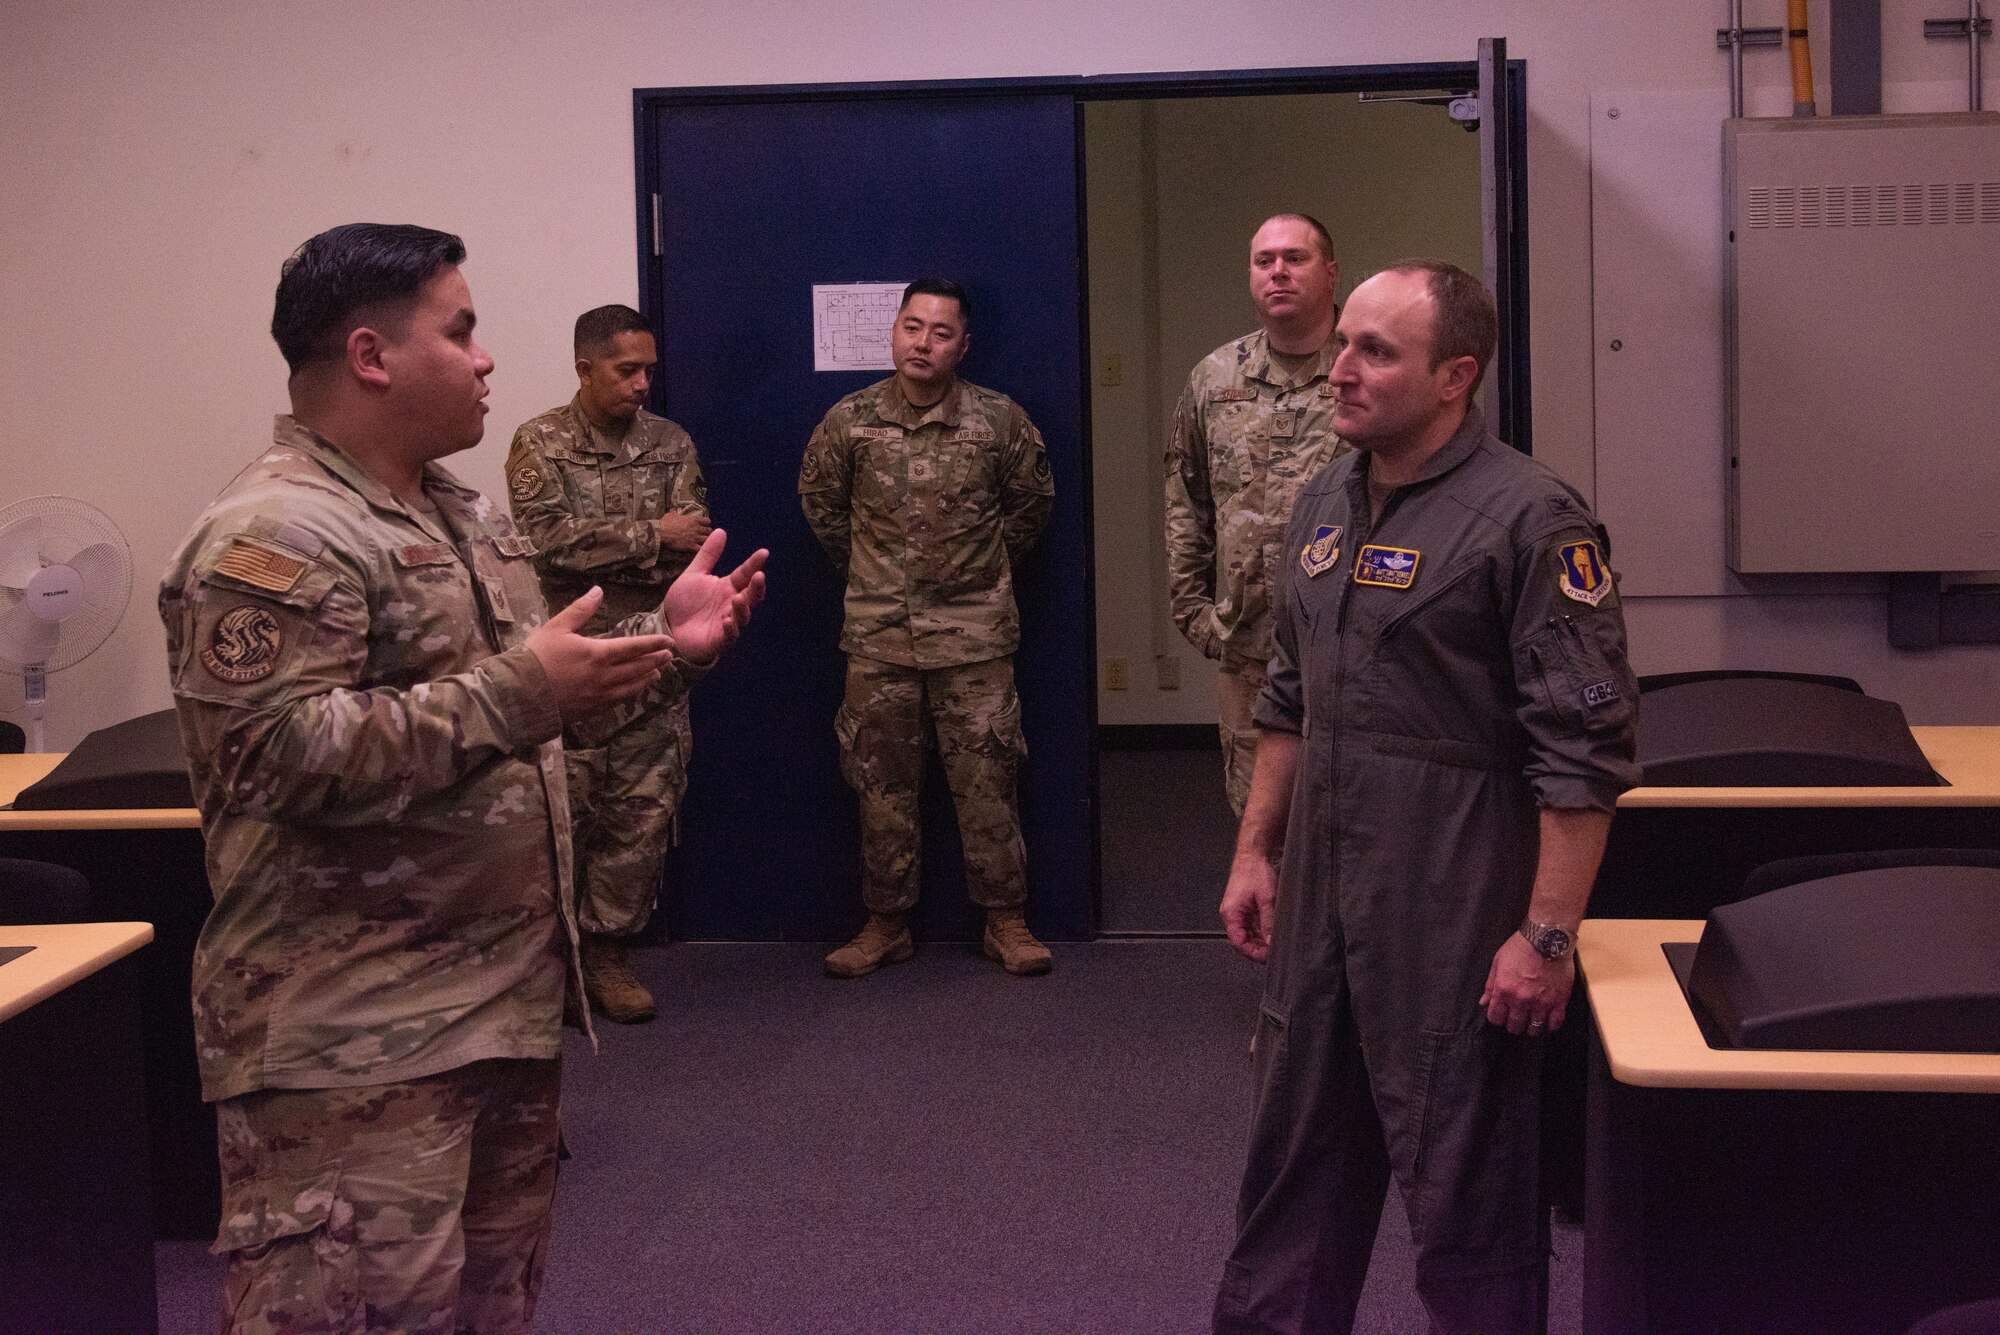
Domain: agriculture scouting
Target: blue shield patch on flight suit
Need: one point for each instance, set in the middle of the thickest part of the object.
(1318, 556)
(1584, 577)
(1388, 567)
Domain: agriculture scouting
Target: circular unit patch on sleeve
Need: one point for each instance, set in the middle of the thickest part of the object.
(244, 645)
(526, 483)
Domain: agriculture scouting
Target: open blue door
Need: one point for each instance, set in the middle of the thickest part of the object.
(758, 198)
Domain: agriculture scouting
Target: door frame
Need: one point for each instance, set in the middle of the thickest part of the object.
(650, 106)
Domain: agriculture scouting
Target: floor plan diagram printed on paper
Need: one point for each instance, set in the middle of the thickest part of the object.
(851, 324)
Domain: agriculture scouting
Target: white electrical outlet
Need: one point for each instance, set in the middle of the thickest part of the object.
(1117, 674)
(1168, 669)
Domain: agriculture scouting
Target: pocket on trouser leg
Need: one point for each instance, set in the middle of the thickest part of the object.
(1008, 745)
(877, 758)
(1239, 762)
(846, 728)
(1475, 1203)
(1270, 1058)
(293, 1265)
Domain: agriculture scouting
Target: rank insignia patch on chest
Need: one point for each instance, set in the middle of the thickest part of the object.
(1389, 567)
(244, 645)
(1583, 577)
(526, 483)
(1318, 556)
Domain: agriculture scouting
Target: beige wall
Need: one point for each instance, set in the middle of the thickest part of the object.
(1388, 180)
(160, 160)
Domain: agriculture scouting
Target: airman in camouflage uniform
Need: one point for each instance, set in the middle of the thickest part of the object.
(371, 699)
(613, 496)
(925, 489)
(1253, 426)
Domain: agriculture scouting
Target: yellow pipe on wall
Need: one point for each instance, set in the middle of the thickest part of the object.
(1802, 80)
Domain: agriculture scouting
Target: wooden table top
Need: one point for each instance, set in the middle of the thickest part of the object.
(1651, 1038)
(1967, 756)
(17, 772)
(63, 954)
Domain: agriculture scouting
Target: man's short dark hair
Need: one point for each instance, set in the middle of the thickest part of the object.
(354, 275)
(940, 287)
(1464, 322)
(1320, 234)
(597, 330)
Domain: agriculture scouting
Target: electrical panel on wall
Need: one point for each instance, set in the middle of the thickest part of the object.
(1863, 343)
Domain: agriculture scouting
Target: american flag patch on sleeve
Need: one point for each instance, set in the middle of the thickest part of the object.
(260, 566)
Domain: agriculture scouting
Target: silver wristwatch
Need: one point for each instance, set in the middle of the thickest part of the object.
(1550, 941)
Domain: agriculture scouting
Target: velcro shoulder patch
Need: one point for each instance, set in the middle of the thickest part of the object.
(261, 565)
(525, 483)
(1581, 573)
(244, 645)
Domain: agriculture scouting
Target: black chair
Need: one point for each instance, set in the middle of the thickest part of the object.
(1659, 681)
(12, 740)
(1791, 871)
(34, 893)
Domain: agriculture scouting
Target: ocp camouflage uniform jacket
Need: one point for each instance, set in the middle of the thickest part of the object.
(589, 504)
(926, 509)
(372, 746)
(1245, 439)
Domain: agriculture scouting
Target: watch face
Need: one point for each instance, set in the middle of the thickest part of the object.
(1548, 940)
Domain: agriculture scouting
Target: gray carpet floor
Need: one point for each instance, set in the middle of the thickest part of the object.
(939, 1148)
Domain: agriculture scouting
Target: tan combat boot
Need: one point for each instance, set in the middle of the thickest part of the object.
(1009, 941)
(613, 989)
(885, 940)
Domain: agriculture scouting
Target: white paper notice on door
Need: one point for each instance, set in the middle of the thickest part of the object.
(851, 324)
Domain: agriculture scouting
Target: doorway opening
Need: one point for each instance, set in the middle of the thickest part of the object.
(1174, 187)
(1103, 225)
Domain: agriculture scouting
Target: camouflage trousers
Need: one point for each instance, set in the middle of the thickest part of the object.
(627, 771)
(420, 1207)
(885, 725)
(1237, 683)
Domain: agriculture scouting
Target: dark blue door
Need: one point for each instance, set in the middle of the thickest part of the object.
(759, 200)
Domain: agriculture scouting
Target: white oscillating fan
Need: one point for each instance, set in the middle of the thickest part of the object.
(65, 577)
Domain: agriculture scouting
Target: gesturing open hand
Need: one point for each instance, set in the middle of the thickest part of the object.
(704, 610)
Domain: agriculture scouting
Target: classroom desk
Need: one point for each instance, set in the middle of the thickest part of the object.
(143, 865)
(18, 772)
(1966, 757)
(76, 1242)
(1752, 1191)
(1680, 852)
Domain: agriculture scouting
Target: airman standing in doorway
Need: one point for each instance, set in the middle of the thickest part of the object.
(613, 496)
(1255, 422)
(925, 490)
